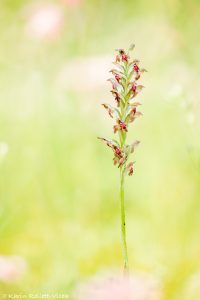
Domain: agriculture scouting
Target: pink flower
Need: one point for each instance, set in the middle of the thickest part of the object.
(133, 88)
(45, 22)
(118, 152)
(129, 168)
(136, 68)
(140, 286)
(117, 77)
(11, 268)
(122, 56)
(125, 57)
(122, 125)
(117, 59)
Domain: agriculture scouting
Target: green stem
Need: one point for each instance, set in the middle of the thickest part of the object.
(123, 221)
(122, 168)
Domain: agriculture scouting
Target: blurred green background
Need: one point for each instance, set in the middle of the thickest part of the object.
(58, 187)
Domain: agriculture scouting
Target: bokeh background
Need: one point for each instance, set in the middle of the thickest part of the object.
(59, 212)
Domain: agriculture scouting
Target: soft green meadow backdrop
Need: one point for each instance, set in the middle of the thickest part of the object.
(59, 203)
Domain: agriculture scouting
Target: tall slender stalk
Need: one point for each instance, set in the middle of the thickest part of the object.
(124, 89)
(123, 221)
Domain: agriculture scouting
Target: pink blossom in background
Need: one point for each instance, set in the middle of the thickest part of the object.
(72, 3)
(45, 22)
(11, 268)
(139, 286)
(72, 72)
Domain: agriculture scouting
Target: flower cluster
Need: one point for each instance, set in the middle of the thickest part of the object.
(12, 268)
(125, 88)
(138, 286)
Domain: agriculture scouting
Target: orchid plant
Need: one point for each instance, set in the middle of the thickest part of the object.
(125, 88)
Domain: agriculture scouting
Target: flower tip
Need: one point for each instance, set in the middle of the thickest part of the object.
(101, 139)
(143, 70)
(129, 168)
(119, 50)
(137, 142)
(132, 46)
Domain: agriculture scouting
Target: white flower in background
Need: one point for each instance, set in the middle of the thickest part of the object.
(45, 22)
(176, 90)
(11, 268)
(190, 118)
(191, 289)
(3, 149)
(139, 286)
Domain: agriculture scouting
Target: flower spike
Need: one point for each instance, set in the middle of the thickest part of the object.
(125, 89)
